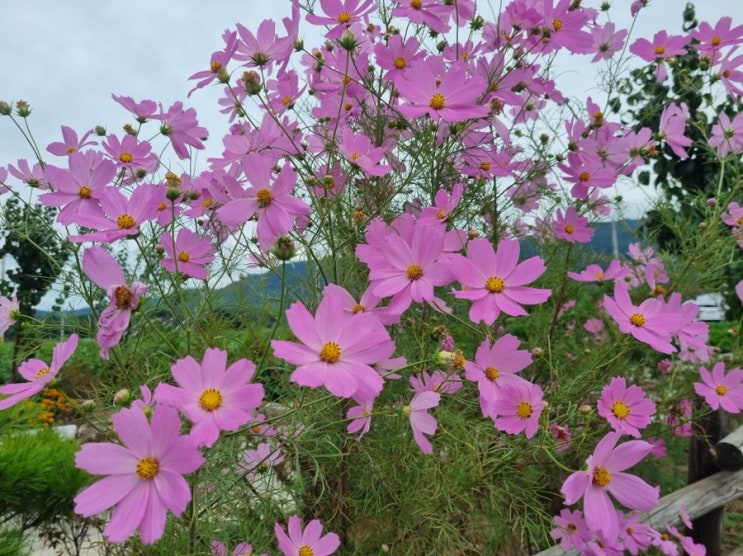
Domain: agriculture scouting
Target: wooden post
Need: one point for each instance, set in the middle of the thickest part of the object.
(707, 529)
(728, 452)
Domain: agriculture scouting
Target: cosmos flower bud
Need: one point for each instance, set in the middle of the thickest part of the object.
(537, 351)
(123, 397)
(585, 409)
(22, 108)
(5, 108)
(284, 249)
(87, 406)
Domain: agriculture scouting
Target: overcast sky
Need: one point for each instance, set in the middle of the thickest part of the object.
(66, 58)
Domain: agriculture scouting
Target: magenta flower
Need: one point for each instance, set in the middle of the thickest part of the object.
(625, 407)
(450, 94)
(337, 349)
(712, 39)
(672, 126)
(606, 475)
(143, 110)
(211, 395)
(649, 322)
(739, 290)
(310, 542)
(104, 270)
(721, 390)
(32, 176)
(130, 153)
(356, 147)
(571, 530)
(409, 267)
(70, 143)
(727, 135)
(495, 366)
(426, 12)
(145, 475)
(421, 421)
(189, 254)
(78, 189)
(571, 227)
(38, 374)
(265, 47)
(217, 63)
(341, 14)
(261, 457)
(495, 280)
(360, 416)
(519, 407)
(594, 273)
(10, 312)
(241, 549)
(123, 216)
(606, 41)
(182, 128)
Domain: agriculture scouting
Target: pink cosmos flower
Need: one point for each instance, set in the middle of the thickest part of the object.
(143, 110)
(561, 435)
(409, 267)
(264, 48)
(519, 407)
(495, 280)
(420, 420)
(130, 153)
(444, 204)
(122, 216)
(337, 349)
(145, 474)
(437, 381)
(268, 199)
(586, 172)
(426, 12)
(397, 55)
(739, 290)
(311, 541)
(218, 63)
(450, 94)
(625, 407)
(727, 135)
(367, 303)
(571, 227)
(648, 322)
(241, 549)
(712, 39)
(360, 417)
(70, 143)
(189, 254)
(495, 366)
(731, 75)
(262, 457)
(182, 128)
(571, 530)
(594, 273)
(341, 14)
(606, 41)
(38, 374)
(10, 312)
(358, 150)
(606, 475)
(636, 536)
(106, 272)
(78, 189)
(662, 48)
(672, 126)
(721, 390)
(211, 395)
(32, 176)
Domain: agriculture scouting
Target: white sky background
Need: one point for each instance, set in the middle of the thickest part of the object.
(66, 58)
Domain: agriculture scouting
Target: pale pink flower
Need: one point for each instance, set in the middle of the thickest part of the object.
(594, 273)
(625, 407)
(309, 541)
(519, 407)
(672, 126)
(420, 420)
(10, 312)
(720, 389)
(188, 254)
(571, 227)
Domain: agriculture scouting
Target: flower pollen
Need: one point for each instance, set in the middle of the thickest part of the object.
(147, 468)
(85, 192)
(41, 373)
(495, 284)
(569, 229)
(557, 24)
(492, 374)
(125, 221)
(414, 272)
(126, 158)
(330, 352)
(344, 17)
(659, 50)
(123, 297)
(524, 410)
(637, 319)
(305, 550)
(358, 308)
(721, 390)
(400, 62)
(210, 399)
(184, 257)
(437, 101)
(620, 410)
(264, 197)
(601, 476)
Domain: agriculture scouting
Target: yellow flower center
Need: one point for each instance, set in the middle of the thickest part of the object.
(125, 221)
(330, 352)
(660, 50)
(286, 101)
(492, 374)
(524, 410)
(716, 41)
(441, 214)
(414, 272)
(399, 62)
(264, 197)
(358, 308)
(305, 550)
(126, 158)
(184, 257)
(637, 319)
(600, 276)
(215, 67)
(70, 150)
(721, 390)
(344, 17)
(620, 410)
(123, 297)
(485, 166)
(210, 399)
(147, 468)
(495, 284)
(416, 4)
(570, 228)
(584, 176)
(557, 24)
(601, 476)
(206, 203)
(437, 101)
(572, 527)
(41, 373)
(85, 192)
